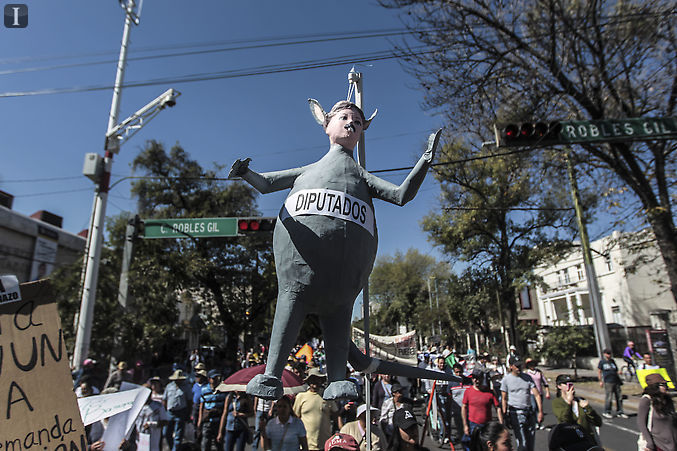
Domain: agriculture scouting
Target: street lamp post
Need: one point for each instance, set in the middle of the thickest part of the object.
(115, 134)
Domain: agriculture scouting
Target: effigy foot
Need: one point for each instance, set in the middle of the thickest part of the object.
(340, 390)
(266, 387)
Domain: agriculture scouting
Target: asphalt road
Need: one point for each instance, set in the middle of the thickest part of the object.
(617, 434)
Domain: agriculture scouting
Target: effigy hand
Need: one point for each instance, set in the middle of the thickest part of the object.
(239, 168)
(433, 141)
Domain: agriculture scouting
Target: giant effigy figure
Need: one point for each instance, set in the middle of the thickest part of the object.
(325, 242)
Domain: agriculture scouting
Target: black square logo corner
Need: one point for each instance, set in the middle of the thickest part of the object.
(16, 15)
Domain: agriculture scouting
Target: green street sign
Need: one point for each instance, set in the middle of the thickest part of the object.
(190, 227)
(532, 134)
(618, 130)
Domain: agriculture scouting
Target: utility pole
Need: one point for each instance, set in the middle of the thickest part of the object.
(93, 256)
(355, 79)
(599, 323)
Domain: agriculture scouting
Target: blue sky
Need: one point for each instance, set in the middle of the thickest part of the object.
(264, 117)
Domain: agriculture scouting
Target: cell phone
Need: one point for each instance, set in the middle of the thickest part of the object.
(569, 385)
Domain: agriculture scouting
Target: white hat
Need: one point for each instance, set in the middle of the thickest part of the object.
(512, 347)
(446, 353)
(363, 408)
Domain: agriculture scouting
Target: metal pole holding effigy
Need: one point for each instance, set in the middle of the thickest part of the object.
(355, 81)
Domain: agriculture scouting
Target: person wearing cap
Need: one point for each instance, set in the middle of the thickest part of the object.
(201, 381)
(656, 415)
(315, 412)
(476, 405)
(339, 441)
(118, 376)
(211, 409)
(541, 384)
(516, 391)
(176, 400)
(358, 429)
(571, 409)
(607, 373)
(405, 436)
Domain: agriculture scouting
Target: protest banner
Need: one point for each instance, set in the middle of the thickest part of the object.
(38, 407)
(397, 348)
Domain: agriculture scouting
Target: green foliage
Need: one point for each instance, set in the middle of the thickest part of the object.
(514, 60)
(566, 342)
(398, 289)
(497, 215)
(230, 281)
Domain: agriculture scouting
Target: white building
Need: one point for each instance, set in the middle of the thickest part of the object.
(631, 277)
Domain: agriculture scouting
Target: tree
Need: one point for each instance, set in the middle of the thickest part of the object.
(398, 289)
(493, 60)
(567, 343)
(497, 216)
(234, 275)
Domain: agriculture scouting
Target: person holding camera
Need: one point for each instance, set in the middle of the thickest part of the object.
(568, 408)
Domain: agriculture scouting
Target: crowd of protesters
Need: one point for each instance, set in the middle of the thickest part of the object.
(487, 406)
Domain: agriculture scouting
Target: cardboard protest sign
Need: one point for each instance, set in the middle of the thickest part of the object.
(642, 374)
(98, 407)
(38, 408)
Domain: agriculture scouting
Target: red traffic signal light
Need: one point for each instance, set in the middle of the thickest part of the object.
(528, 134)
(255, 225)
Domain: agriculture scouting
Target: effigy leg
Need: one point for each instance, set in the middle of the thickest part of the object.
(289, 315)
(336, 331)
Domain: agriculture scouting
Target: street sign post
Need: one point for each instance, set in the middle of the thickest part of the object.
(528, 134)
(618, 130)
(190, 228)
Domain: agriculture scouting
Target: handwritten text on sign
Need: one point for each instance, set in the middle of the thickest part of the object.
(38, 409)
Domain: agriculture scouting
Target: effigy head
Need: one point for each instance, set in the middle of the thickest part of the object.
(323, 118)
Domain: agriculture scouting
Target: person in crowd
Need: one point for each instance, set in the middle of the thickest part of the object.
(86, 370)
(341, 442)
(149, 421)
(516, 391)
(194, 359)
(176, 400)
(512, 352)
(492, 436)
(405, 435)
(456, 391)
(571, 437)
(381, 391)
(541, 385)
(117, 377)
(607, 373)
(390, 405)
(263, 410)
(568, 408)
(656, 417)
(212, 403)
(236, 410)
(358, 429)
(315, 412)
(630, 354)
(647, 363)
(156, 388)
(201, 381)
(476, 406)
(284, 431)
(85, 388)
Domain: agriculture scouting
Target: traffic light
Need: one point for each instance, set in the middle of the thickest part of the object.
(246, 226)
(528, 134)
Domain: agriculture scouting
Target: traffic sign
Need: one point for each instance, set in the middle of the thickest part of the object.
(618, 130)
(190, 227)
(578, 132)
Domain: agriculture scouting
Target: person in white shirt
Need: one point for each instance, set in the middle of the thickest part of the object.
(647, 363)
